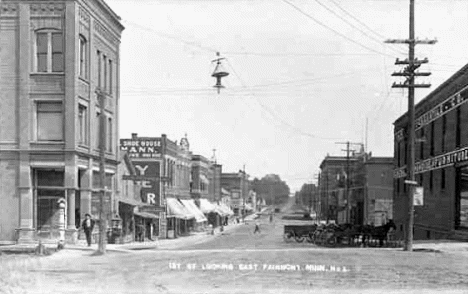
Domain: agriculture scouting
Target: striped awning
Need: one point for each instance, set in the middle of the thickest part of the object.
(206, 206)
(176, 209)
(192, 207)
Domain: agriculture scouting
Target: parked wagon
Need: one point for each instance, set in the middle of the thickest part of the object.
(299, 233)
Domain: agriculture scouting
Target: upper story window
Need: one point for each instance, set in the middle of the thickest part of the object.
(49, 51)
(83, 66)
(49, 122)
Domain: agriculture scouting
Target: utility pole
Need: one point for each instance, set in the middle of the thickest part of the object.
(102, 173)
(409, 72)
(347, 182)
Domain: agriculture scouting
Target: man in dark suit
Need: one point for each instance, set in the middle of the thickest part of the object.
(88, 226)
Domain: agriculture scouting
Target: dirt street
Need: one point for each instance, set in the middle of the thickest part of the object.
(239, 262)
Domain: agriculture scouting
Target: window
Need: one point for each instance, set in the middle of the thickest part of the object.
(421, 145)
(458, 130)
(444, 126)
(432, 139)
(461, 219)
(98, 129)
(109, 135)
(83, 71)
(99, 69)
(49, 52)
(83, 125)
(442, 179)
(110, 76)
(431, 178)
(104, 80)
(49, 121)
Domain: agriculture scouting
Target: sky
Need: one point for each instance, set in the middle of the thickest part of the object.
(303, 75)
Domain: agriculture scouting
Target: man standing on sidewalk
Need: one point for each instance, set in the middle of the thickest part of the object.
(257, 227)
(88, 226)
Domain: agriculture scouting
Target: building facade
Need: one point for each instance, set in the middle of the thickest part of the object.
(237, 184)
(378, 190)
(341, 180)
(441, 168)
(54, 58)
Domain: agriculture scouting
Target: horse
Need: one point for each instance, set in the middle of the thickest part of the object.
(379, 232)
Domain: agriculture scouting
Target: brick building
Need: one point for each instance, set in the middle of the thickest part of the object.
(441, 155)
(332, 188)
(237, 184)
(378, 190)
(54, 56)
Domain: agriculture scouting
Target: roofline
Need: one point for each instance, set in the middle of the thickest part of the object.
(435, 92)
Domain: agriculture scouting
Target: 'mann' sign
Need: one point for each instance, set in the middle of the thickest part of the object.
(141, 148)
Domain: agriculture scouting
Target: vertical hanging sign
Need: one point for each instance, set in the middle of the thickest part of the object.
(418, 197)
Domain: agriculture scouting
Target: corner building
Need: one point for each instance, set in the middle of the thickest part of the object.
(441, 168)
(55, 56)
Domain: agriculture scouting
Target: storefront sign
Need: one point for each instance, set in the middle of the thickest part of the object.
(441, 161)
(449, 104)
(400, 135)
(151, 209)
(399, 173)
(418, 196)
(141, 148)
(148, 177)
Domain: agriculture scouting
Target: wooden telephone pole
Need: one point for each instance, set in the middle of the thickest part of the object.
(409, 72)
(347, 182)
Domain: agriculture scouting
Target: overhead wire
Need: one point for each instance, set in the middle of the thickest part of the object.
(352, 25)
(333, 30)
(296, 129)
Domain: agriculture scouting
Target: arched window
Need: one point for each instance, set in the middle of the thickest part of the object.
(49, 51)
(83, 51)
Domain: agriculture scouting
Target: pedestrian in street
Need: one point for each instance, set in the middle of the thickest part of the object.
(88, 226)
(271, 217)
(257, 227)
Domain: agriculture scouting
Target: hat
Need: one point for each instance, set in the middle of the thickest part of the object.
(88, 215)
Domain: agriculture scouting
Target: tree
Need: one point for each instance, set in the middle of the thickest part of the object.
(272, 189)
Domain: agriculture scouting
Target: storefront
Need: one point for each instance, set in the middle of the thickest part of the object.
(179, 219)
(200, 220)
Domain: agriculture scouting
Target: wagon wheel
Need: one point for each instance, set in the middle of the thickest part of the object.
(287, 236)
(299, 239)
(331, 241)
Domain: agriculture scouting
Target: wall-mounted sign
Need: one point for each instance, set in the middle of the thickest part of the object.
(418, 196)
(141, 148)
(441, 161)
(148, 177)
(449, 104)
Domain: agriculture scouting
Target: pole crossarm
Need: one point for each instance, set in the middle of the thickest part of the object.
(405, 85)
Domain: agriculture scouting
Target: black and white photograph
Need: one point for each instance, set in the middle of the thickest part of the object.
(233, 146)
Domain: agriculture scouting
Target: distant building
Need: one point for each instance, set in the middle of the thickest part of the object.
(55, 55)
(333, 192)
(378, 192)
(441, 169)
(238, 185)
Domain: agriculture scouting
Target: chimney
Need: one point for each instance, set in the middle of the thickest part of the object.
(134, 136)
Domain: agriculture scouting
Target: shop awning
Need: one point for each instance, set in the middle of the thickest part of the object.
(226, 208)
(190, 205)
(204, 179)
(225, 192)
(206, 206)
(129, 201)
(177, 209)
(146, 215)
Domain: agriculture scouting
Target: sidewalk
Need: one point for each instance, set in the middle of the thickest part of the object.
(164, 244)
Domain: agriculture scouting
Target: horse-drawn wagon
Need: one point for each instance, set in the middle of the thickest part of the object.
(299, 232)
